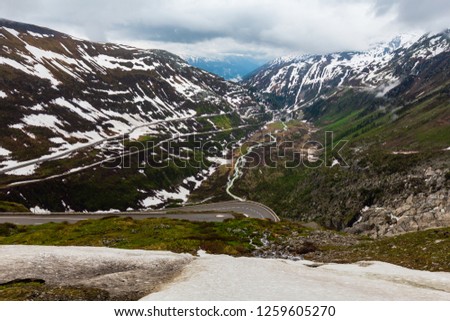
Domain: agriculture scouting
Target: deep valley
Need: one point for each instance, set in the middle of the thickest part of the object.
(334, 158)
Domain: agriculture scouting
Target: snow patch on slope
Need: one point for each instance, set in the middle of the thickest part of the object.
(38, 210)
(4, 151)
(22, 171)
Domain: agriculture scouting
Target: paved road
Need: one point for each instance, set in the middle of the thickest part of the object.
(248, 208)
(215, 212)
(32, 219)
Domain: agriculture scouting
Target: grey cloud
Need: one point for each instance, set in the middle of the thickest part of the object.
(263, 27)
(429, 14)
(171, 33)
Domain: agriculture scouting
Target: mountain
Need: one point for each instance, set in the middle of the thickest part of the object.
(298, 80)
(63, 98)
(90, 126)
(382, 119)
(230, 67)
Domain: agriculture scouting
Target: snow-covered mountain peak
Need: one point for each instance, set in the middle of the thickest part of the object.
(404, 40)
(300, 79)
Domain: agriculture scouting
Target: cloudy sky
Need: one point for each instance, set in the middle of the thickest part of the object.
(263, 29)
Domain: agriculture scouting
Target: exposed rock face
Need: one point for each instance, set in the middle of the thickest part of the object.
(295, 246)
(123, 274)
(409, 211)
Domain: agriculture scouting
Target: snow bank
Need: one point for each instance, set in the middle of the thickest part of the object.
(221, 277)
(213, 277)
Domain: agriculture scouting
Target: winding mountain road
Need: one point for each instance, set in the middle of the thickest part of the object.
(127, 154)
(214, 212)
(44, 159)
